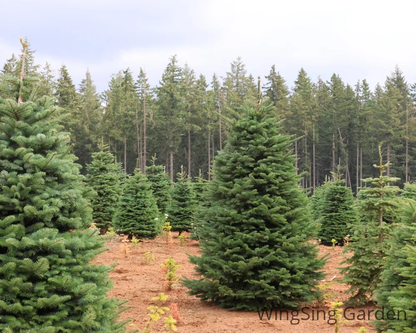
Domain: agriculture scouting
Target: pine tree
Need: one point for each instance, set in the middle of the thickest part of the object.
(46, 281)
(181, 206)
(396, 263)
(104, 175)
(254, 244)
(199, 186)
(137, 213)
(161, 185)
(336, 212)
(369, 236)
(409, 191)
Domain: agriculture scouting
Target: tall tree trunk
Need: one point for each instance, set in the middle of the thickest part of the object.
(209, 154)
(333, 152)
(220, 121)
(388, 159)
(213, 147)
(138, 139)
(189, 142)
(144, 133)
(313, 160)
(407, 144)
(296, 156)
(125, 154)
(361, 167)
(140, 154)
(171, 165)
(357, 169)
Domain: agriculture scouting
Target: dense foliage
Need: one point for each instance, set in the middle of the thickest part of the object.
(137, 213)
(254, 243)
(47, 283)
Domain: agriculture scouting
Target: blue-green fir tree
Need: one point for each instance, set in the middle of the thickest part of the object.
(137, 213)
(47, 283)
(369, 236)
(104, 176)
(182, 205)
(161, 185)
(255, 244)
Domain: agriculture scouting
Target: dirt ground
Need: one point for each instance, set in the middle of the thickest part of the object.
(138, 282)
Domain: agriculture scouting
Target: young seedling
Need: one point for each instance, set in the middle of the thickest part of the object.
(125, 247)
(155, 312)
(170, 268)
(167, 234)
(175, 313)
(334, 242)
(135, 243)
(149, 257)
(326, 295)
(110, 234)
(170, 324)
(347, 239)
(335, 308)
(362, 330)
(183, 237)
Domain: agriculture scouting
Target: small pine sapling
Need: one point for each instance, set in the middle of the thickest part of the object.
(125, 246)
(326, 295)
(149, 257)
(170, 324)
(175, 313)
(183, 237)
(170, 268)
(362, 330)
(167, 234)
(110, 234)
(337, 313)
(135, 243)
(334, 242)
(155, 312)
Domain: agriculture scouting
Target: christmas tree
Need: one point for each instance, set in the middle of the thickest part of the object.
(200, 186)
(161, 185)
(104, 176)
(46, 281)
(182, 204)
(397, 262)
(409, 191)
(255, 244)
(137, 213)
(369, 236)
(336, 212)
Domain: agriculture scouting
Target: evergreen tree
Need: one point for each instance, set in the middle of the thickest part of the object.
(337, 212)
(369, 236)
(181, 206)
(104, 175)
(396, 263)
(137, 211)
(199, 187)
(46, 281)
(409, 191)
(161, 185)
(254, 244)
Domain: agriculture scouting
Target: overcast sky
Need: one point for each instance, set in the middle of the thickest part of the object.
(355, 39)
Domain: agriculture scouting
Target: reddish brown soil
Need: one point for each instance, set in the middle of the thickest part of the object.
(139, 282)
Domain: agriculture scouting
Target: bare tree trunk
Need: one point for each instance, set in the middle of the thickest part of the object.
(171, 165)
(213, 147)
(333, 152)
(361, 167)
(296, 156)
(209, 154)
(125, 154)
(220, 121)
(313, 160)
(407, 145)
(357, 169)
(388, 159)
(189, 142)
(144, 132)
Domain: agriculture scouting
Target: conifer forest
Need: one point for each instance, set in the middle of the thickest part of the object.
(157, 208)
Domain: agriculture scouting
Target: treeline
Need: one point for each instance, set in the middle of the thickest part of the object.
(184, 119)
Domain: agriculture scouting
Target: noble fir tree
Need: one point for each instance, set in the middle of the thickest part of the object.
(369, 236)
(160, 185)
(392, 277)
(336, 212)
(104, 175)
(181, 206)
(255, 244)
(200, 186)
(47, 283)
(137, 211)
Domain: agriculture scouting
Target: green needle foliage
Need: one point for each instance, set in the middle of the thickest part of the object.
(161, 185)
(137, 209)
(255, 244)
(369, 236)
(336, 212)
(104, 176)
(46, 281)
(200, 186)
(182, 204)
(409, 191)
(392, 278)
